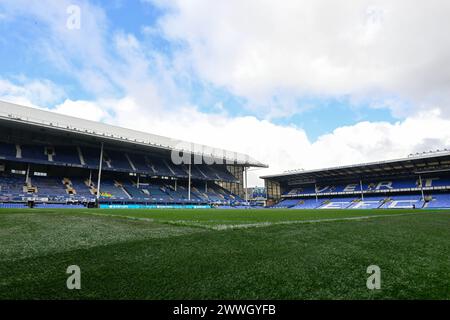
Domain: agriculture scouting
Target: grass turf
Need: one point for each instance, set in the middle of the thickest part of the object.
(224, 254)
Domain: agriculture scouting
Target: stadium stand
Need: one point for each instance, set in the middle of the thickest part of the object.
(51, 160)
(369, 202)
(308, 204)
(80, 188)
(67, 155)
(439, 201)
(7, 151)
(419, 181)
(10, 205)
(392, 185)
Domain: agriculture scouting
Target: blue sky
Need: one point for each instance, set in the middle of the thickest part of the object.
(320, 82)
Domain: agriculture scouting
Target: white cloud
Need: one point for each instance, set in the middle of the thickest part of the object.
(81, 53)
(367, 49)
(30, 91)
(83, 109)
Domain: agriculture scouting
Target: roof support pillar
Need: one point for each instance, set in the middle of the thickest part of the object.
(27, 178)
(189, 183)
(99, 173)
(362, 191)
(138, 179)
(315, 190)
(246, 185)
(421, 187)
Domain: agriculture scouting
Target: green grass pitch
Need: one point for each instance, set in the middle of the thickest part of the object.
(224, 254)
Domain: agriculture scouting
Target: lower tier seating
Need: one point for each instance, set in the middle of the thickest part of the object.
(369, 202)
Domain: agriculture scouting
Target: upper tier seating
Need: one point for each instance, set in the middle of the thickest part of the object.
(7, 150)
(139, 162)
(34, 152)
(375, 186)
(91, 156)
(88, 157)
(222, 172)
(116, 160)
(369, 202)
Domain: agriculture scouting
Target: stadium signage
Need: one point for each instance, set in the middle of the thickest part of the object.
(154, 206)
(227, 309)
(186, 310)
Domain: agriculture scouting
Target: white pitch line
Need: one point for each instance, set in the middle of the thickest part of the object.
(220, 227)
(267, 223)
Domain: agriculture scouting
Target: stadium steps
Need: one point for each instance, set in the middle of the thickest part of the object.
(120, 186)
(130, 162)
(107, 160)
(70, 190)
(204, 175)
(80, 155)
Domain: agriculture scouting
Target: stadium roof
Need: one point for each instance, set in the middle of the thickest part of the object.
(417, 164)
(13, 113)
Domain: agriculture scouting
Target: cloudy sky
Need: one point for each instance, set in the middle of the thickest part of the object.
(295, 84)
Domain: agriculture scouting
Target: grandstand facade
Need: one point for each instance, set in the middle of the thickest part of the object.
(52, 160)
(419, 181)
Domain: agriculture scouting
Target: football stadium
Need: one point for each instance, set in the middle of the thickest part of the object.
(149, 217)
(150, 156)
